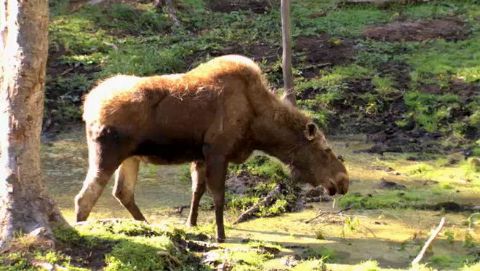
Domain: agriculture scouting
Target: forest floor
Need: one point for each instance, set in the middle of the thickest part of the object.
(394, 202)
(395, 87)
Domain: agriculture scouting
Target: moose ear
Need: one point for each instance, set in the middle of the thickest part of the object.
(310, 131)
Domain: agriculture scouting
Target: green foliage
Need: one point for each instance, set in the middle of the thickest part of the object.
(15, 261)
(432, 112)
(448, 262)
(450, 236)
(263, 166)
(271, 173)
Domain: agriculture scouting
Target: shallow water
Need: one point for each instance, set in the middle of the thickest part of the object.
(392, 236)
(65, 165)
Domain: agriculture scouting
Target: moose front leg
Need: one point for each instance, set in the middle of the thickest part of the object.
(197, 170)
(216, 169)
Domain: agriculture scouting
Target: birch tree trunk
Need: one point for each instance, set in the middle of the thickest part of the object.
(287, 52)
(24, 204)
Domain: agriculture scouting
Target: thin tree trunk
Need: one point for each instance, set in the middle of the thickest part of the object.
(24, 204)
(287, 52)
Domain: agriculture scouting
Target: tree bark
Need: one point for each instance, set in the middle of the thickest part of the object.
(24, 204)
(287, 52)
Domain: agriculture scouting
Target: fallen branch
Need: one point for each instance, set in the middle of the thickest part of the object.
(429, 242)
(267, 201)
(324, 213)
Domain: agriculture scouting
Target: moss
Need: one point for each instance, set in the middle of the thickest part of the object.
(385, 199)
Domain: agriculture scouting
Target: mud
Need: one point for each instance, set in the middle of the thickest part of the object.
(86, 256)
(256, 6)
(398, 71)
(450, 29)
(318, 52)
(385, 184)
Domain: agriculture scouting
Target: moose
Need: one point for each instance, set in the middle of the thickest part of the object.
(217, 113)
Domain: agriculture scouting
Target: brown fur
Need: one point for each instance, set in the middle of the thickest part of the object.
(217, 113)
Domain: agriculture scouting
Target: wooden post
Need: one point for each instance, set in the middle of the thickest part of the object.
(287, 52)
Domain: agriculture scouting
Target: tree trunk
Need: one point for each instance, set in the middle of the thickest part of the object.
(287, 52)
(24, 204)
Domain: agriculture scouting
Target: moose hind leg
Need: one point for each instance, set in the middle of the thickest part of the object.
(216, 169)
(198, 171)
(125, 181)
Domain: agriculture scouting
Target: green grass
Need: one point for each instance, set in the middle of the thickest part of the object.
(441, 61)
(347, 22)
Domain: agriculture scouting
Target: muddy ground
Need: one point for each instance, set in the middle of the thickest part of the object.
(450, 29)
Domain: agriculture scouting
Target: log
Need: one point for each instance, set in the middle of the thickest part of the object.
(266, 201)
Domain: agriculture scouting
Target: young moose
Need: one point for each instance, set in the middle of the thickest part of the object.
(217, 113)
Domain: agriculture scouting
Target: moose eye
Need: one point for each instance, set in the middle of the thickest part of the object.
(341, 158)
(328, 150)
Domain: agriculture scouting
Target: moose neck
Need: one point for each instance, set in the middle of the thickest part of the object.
(279, 131)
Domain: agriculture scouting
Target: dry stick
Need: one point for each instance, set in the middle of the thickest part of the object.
(429, 241)
(267, 201)
(323, 213)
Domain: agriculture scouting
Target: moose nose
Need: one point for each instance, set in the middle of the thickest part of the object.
(342, 181)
